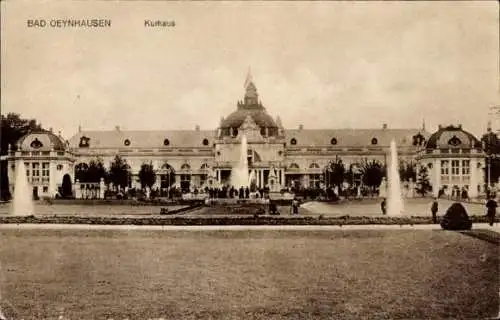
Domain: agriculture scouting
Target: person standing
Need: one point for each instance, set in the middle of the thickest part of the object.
(434, 210)
(491, 210)
(383, 206)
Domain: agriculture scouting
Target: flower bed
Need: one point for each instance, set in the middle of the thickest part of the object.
(227, 220)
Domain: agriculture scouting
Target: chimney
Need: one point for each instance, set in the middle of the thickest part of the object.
(301, 126)
(79, 128)
(384, 126)
(459, 126)
(197, 127)
(440, 127)
(117, 128)
(50, 129)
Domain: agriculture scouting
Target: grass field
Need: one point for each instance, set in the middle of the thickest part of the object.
(247, 275)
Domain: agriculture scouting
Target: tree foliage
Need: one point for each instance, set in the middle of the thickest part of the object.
(66, 187)
(423, 184)
(407, 171)
(336, 173)
(119, 172)
(147, 175)
(373, 172)
(491, 146)
(92, 172)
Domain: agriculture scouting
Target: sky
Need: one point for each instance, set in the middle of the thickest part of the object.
(319, 64)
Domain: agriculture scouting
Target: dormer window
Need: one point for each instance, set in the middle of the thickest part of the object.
(36, 144)
(126, 142)
(454, 141)
(333, 141)
(166, 142)
(84, 142)
(374, 141)
(185, 167)
(293, 141)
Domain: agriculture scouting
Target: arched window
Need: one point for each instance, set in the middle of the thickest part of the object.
(166, 142)
(204, 166)
(185, 166)
(333, 141)
(36, 144)
(126, 142)
(293, 141)
(314, 165)
(374, 141)
(294, 166)
(205, 142)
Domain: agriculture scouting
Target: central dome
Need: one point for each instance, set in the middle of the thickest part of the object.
(250, 106)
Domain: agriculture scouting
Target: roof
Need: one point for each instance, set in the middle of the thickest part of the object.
(41, 141)
(258, 114)
(143, 139)
(452, 137)
(352, 137)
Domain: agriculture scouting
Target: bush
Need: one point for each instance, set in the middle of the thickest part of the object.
(456, 218)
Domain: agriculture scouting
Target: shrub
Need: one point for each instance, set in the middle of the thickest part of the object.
(456, 218)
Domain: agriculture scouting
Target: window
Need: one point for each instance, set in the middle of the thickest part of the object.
(36, 169)
(314, 181)
(166, 142)
(45, 169)
(293, 141)
(45, 189)
(84, 142)
(36, 144)
(455, 167)
(333, 141)
(59, 167)
(27, 166)
(126, 142)
(185, 166)
(445, 170)
(35, 153)
(314, 165)
(374, 141)
(205, 142)
(465, 167)
(204, 166)
(294, 166)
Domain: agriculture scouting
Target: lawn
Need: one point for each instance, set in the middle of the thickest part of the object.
(247, 275)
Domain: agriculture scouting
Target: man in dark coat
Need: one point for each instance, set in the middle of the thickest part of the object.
(383, 206)
(434, 210)
(491, 210)
(247, 192)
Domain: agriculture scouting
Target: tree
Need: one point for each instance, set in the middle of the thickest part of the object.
(423, 184)
(373, 172)
(147, 175)
(13, 127)
(119, 172)
(66, 188)
(407, 171)
(491, 146)
(336, 172)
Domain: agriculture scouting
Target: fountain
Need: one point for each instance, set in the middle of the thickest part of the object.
(22, 203)
(239, 175)
(395, 200)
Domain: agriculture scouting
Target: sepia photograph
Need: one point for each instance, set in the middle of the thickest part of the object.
(249, 160)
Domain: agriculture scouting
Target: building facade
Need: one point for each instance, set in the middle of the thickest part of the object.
(199, 158)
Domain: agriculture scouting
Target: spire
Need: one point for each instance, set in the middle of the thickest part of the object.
(488, 128)
(423, 125)
(249, 78)
(278, 122)
(251, 95)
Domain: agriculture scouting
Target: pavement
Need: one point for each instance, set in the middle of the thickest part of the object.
(27, 226)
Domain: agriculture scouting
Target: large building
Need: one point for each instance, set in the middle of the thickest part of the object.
(197, 158)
